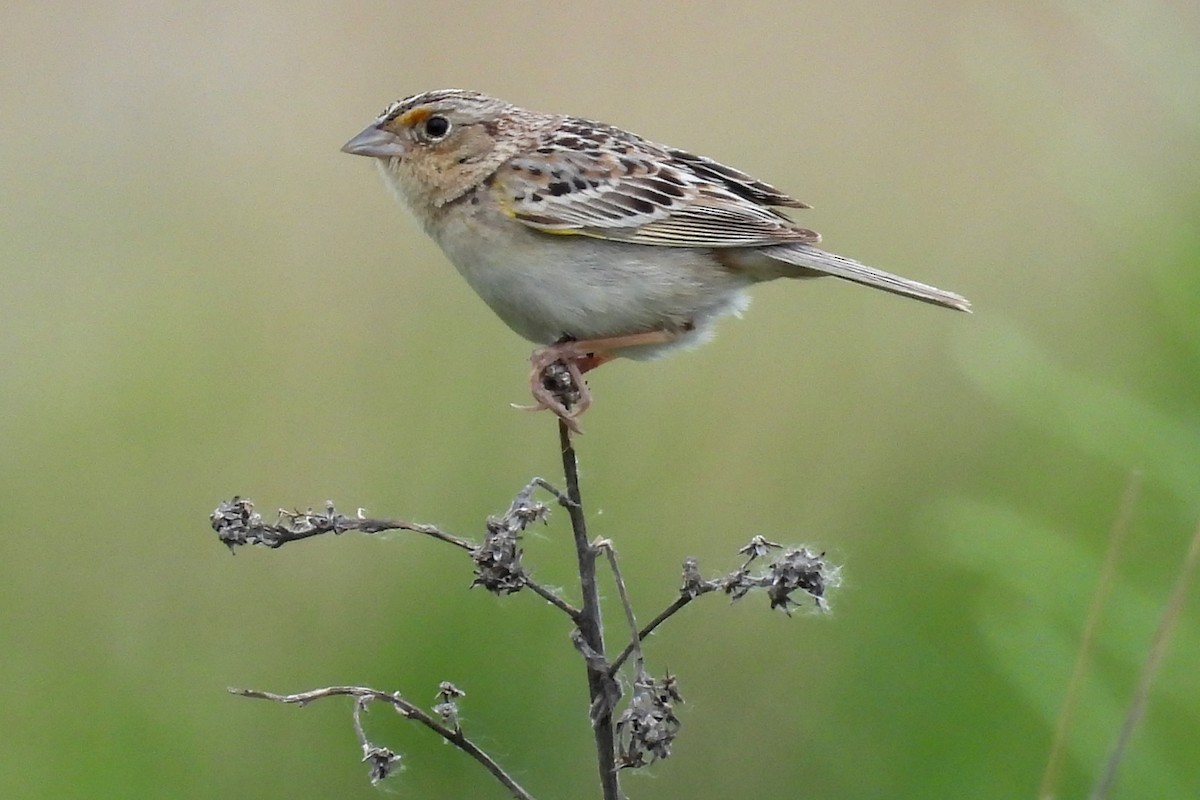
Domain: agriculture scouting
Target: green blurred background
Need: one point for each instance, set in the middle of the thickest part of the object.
(200, 296)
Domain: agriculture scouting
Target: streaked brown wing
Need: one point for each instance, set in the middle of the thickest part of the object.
(595, 180)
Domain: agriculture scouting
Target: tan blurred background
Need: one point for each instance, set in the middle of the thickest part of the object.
(200, 296)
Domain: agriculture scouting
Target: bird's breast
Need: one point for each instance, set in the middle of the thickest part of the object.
(546, 286)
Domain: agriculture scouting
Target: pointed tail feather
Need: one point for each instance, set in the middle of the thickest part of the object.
(820, 261)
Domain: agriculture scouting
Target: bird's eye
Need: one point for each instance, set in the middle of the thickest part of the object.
(436, 127)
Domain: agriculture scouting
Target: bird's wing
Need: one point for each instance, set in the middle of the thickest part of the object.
(591, 179)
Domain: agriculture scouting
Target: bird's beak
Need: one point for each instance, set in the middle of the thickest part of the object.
(375, 142)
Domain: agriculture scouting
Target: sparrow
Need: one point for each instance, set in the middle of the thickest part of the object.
(592, 241)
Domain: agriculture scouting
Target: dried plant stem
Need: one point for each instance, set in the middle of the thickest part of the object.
(1158, 649)
(552, 598)
(589, 623)
(646, 728)
(406, 709)
(635, 643)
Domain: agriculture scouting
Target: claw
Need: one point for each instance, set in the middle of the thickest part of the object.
(557, 384)
(568, 417)
(556, 381)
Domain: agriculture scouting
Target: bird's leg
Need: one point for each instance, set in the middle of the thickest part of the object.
(556, 381)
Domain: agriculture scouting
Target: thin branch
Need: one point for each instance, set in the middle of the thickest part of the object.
(796, 569)
(635, 643)
(553, 599)
(522, 511)
(405, 709)
(563, 499)
(1158, 649)
(1116, 538)
(237, 523)
(601, 687)
(662, 617)
(693, 586)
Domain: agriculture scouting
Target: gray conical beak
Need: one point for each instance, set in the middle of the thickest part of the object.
(375, 142)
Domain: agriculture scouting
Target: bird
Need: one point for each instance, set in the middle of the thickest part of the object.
(590, 240)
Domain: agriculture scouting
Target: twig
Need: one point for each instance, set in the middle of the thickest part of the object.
(601, 687)
(237, 523)
(693, 586)
(1104, 584)
(563, 499)
(635, 642)
(647, 728)
(796, 569)
(662, 617)
(404, 708)
(1158, 649)
(553, 599)
(497, 561)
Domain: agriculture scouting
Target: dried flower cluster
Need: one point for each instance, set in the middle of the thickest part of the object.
(382, 762)
(498, 559)
(794, 570)
(647, 728)
(447, 707)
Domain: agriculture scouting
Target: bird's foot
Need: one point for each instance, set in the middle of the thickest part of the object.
(556, 380)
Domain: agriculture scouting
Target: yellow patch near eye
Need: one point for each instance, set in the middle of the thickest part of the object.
(415, 116)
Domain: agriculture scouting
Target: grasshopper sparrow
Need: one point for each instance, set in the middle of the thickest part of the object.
(588, 239)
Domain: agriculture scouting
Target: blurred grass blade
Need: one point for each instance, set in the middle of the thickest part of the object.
(1104, 585)
(1158, 649)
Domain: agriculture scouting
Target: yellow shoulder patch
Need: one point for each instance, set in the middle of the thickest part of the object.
(542, 224)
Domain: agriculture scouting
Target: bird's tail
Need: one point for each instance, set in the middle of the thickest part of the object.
(816, 260)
